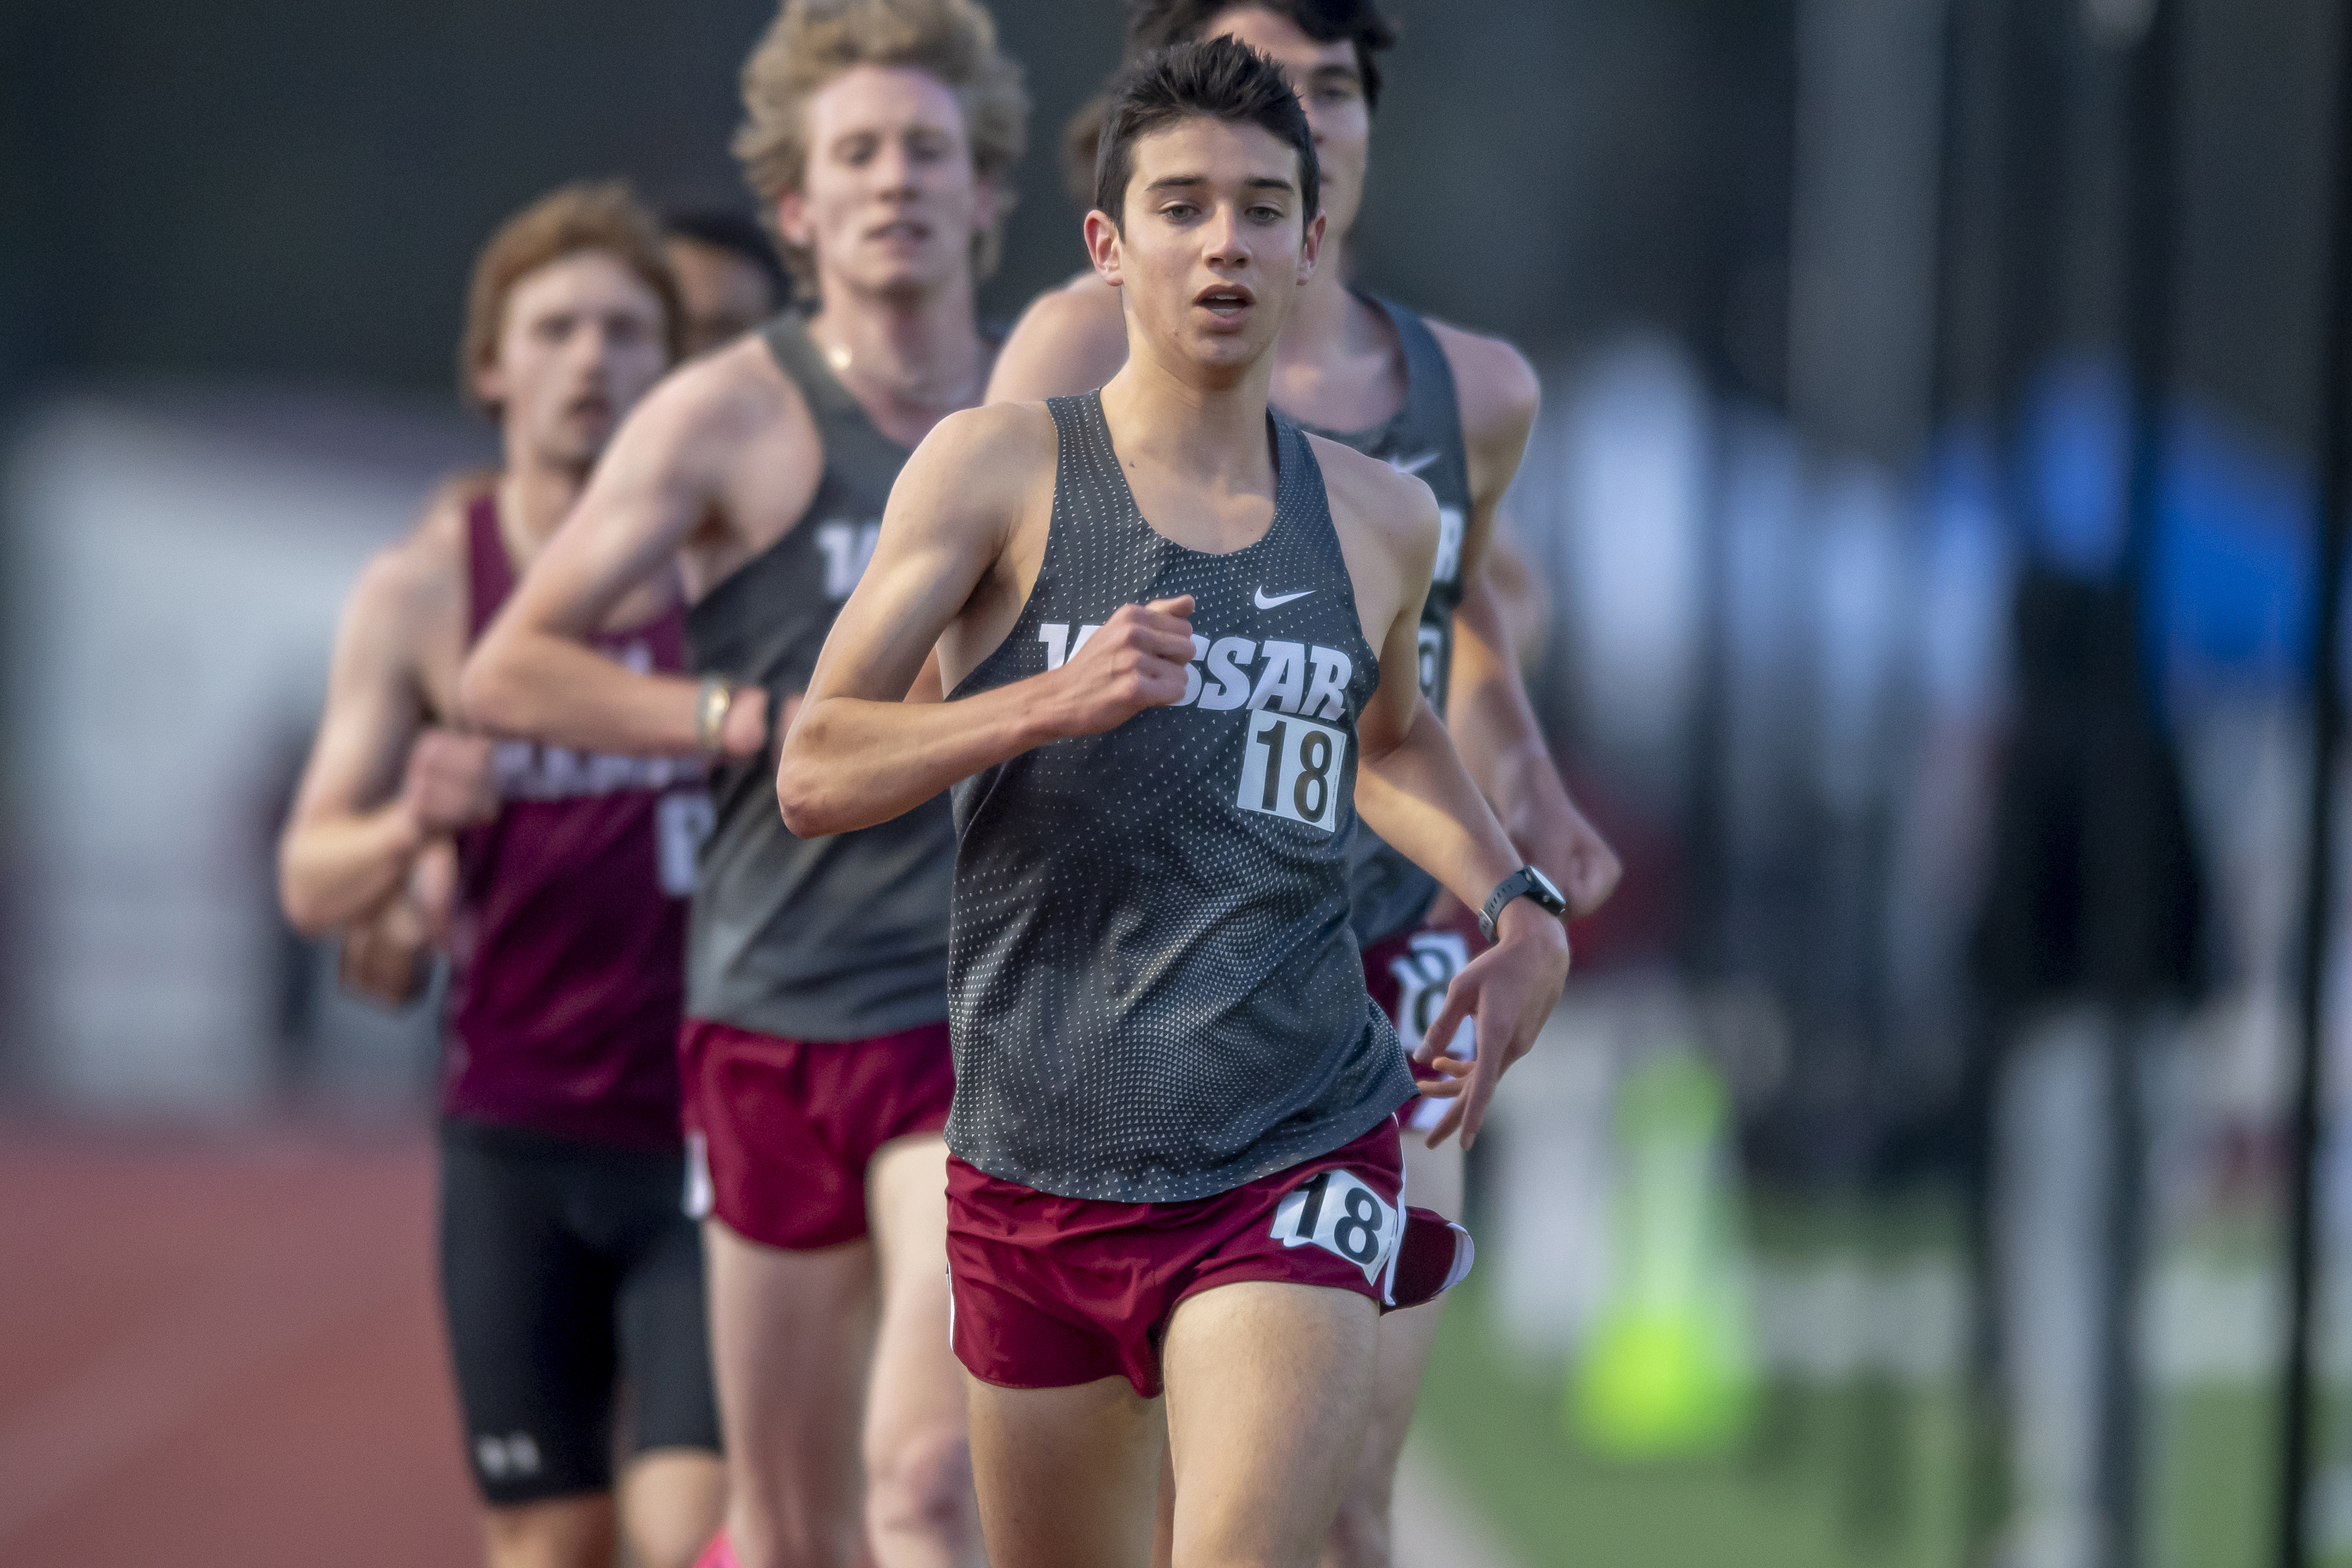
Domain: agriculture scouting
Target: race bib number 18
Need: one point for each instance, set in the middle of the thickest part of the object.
(1292, 767)
(1339, 1214)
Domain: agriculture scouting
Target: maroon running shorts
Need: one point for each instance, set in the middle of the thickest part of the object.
(1407, 974)
(780, 1132)
(1053, 1291)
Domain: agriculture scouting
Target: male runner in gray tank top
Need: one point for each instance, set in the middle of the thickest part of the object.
(1176, 1156)
(1453, 408)
(816, 1053)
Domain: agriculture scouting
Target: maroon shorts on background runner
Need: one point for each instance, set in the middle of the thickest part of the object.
(1407, 974)
(781, 1132)
(1053, 1291)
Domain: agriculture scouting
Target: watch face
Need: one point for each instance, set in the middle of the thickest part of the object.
(1548, 890)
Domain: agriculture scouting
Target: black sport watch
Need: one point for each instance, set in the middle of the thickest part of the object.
(1526, 883)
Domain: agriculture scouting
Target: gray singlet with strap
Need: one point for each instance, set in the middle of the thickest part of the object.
(1154, 989)
(821, 939)
(1423, 438)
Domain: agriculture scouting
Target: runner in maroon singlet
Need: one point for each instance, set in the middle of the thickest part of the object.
(556, 879)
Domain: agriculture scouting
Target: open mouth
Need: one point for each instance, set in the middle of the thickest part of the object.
(1226, 300)
(903, 231)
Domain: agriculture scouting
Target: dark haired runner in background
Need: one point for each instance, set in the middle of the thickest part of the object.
(1183, 639)
(815, 1048)
(567, 1265)
(727, 275)
(1453, 408)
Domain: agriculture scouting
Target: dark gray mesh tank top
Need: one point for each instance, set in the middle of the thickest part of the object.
(1423, 438)
(1153, 988)
(839, 938)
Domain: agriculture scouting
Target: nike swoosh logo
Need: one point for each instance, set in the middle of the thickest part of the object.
(1412, 465)
(1266, 603)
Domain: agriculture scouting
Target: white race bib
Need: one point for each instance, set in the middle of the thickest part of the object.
(1339, 1214)
(1426, 968)
(1292, 767)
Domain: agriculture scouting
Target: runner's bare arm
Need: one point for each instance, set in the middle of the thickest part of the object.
(1486, 700)
(1496, 731)
(1070, 340)
(379, 783)
(859, 754)
(1412, 790)
(533, 672)
(1411, 787)
(384, 956)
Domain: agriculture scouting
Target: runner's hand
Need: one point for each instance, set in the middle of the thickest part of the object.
(450, 783)
(1136, 661)
(1571, 852)
(744, 732)
(1510, 988)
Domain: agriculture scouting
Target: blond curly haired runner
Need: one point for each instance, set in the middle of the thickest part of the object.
(815, 1049)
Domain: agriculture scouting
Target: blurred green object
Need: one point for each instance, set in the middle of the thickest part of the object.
(1669, 1370)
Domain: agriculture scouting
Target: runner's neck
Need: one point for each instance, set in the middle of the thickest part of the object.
(1213, 434)
(1338, 364)
(910, 360)
(534, 498)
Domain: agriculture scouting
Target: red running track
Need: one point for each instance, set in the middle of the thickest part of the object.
(224, 1349)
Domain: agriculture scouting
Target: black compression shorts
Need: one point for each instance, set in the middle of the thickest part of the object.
(569, 1270)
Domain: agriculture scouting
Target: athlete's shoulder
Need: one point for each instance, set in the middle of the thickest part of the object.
(993, 441)
(1070, 339)
(1372, 493)
(431, 559)
(411, 591)
(1493, 382)
(737, 393)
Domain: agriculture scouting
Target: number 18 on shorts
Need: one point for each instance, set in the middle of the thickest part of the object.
(1292, 767)
(1338, 1212)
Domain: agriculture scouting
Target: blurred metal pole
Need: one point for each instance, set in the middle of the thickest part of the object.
(2334, 449)
(2149, 237)
(1985, 1429)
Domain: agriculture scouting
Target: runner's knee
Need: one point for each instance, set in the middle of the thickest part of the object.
(922, 1486)
(1359, 1532)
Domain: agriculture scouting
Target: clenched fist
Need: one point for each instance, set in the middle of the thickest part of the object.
(450, 783)
(1135, 661)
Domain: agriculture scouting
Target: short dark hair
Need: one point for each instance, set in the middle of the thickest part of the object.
(1153, 24)
(735, 232)
(1216, 78)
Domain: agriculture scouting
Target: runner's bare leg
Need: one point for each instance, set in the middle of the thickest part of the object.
(791, 1334)
(1067, 1475)
(671, 1499)
(1269, 1387)
(1360, 1536)
(919, 1509)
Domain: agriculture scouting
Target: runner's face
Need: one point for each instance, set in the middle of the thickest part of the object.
(580, 343)
(1214, 247)
(725, 296)
(888, 202)
(1325, 79)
